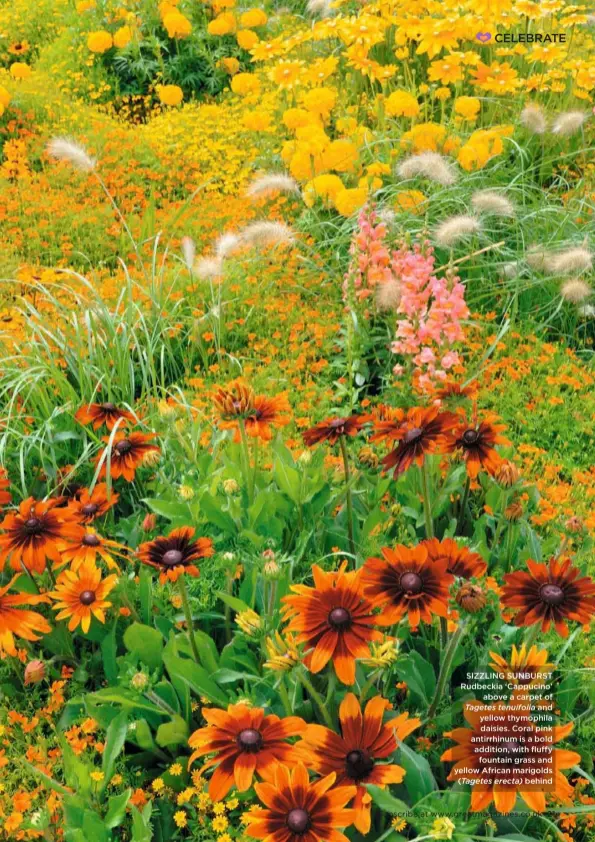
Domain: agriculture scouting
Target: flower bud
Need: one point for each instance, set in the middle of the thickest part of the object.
(34, 672)
(139, 680)
(305, 457)
(507, 474)
(151, 458)
(368, 457)
(471, 598)
(186, 492)
(271, 569)
(149, 522)
(574, 524)
(230, 486)
(513, 512)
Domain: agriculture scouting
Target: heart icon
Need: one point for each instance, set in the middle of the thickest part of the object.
(484, 37)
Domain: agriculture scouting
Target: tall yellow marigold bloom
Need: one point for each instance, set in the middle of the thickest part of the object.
(99, 42)
(246, 39)
(347, 202)
(122, 37)
(467, 107)
(170, 94)
(245, 83)
(253, 18)
(177, 25)
(223, 24)
(401, 104)
(4, 97)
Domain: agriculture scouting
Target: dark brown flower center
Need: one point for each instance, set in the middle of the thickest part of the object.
(358, 764)
(250, 740)
(413, 435)
(87, 597)
(123, 447)
(470, 437)
(108, 407)
(411, 583)
(91, 540)
(298, 821)
(89, 509)
(339, 618)
(172, 557)
(33, 526)
(551, 594)
(336, 423)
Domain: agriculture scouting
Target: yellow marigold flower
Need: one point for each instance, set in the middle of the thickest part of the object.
(442, 94)
(347, 202)
(253, 18)
(170, 94)
(85, 6)
(219, 824)
(340, 155)
(410, 201)
(231, 65)
(97, 776)
(297, 118)
(122, 37)
(245, 83)
(116, 780)
(324, 187)
(158, 785)
(249, 622)
(286, 74)
(320, 101)
(180, 818)
(175, 769)
(398, 824)
(232, 803)
(425, 137)
(223, 24)
(401, 104)
(246, 39)
(257, 121)
(467, 107)
(177, 25)
(219, 808)
(4, 97)
(20, 70)
(98, 42)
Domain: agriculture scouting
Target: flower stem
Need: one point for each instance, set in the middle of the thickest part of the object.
(425, 485)
(249, 477)
(446, 668)
(348, 499)
(316, 697)
(188, 614)
(461, 519)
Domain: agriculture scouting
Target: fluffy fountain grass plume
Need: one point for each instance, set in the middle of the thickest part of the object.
(533, 119)
(537, 257)
(510, 270)
(66, 149)
(573, 261)
(227, 244)
(490, 202)
(319, 7)
(456, 228)
(189, 252)
(387, 215)
(575, 290)
(428, 165)
(388, 295)
(569, 122)
(266, 233)
(208, 267)
(270, 184)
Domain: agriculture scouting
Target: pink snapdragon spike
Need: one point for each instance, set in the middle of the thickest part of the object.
(370, 257)
(433, 309)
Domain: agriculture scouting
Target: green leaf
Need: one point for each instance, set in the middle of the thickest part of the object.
(47, 780)
(173, 733)
(142, 735)
(387, 802)
(207, 649)
(288, 480)
(108, 654)
(196, 677)
(233, 602)
(419, 780)
(116, 808)
(125, 697)
(146, 642)
(418, 674)
(114, 743)
(145, 593)
(211, 509)
(141, 825)
(170, 510)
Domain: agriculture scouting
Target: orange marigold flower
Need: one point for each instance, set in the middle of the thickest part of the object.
(245, 742)
(18, 621)
(332, 429)
(34, 533)
(128, 452)
(297, 808)
(354, 754)
(460, 561)
(175, 554)
(476, 441)
(335, 619)
(550, 593)
(479, 748)
(80, 595)
(87, 506)
(419, 432)
(406, 581)
(98, 414)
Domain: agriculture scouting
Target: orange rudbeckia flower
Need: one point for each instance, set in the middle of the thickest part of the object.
(86, 506)
(476, 441)
(18, 621)
(419, 432)
(34, 533)
(128, 452)
(81, 595)
(354, 754)
(460, 561)
(335, 619)
(244, 742)
(98, 414)
(175, 553)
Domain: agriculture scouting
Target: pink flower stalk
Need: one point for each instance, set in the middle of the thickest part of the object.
(370, 258)
(433, 309)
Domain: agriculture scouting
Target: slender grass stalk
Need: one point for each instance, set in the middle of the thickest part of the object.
(188, 615)
(348, 498)
(446, 668)
(316, 697)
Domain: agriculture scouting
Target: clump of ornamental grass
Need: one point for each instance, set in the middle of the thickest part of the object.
(189, 252)
(456, 228)
(227, 245)
(207, 268)
(69, 151)
(537, 257)
(266, 233)
(492, 203)
(533, 119)
(270, 184)
(575, 290)
(572, 261)
(428, 165)
(568, 123)
(323, 8)
(388, 295)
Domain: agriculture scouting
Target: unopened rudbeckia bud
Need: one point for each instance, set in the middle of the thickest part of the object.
(166, 410)
(507, 474)
(471, 598)
(305, 457)
(249, 622)
(368, 457)
(513, 512)
(186, 492)
(139, 680)
(230, 486)
(269, 555)
(149, 522)
(151, 458)
(34, 672)
(271, 569)
(574, 524)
